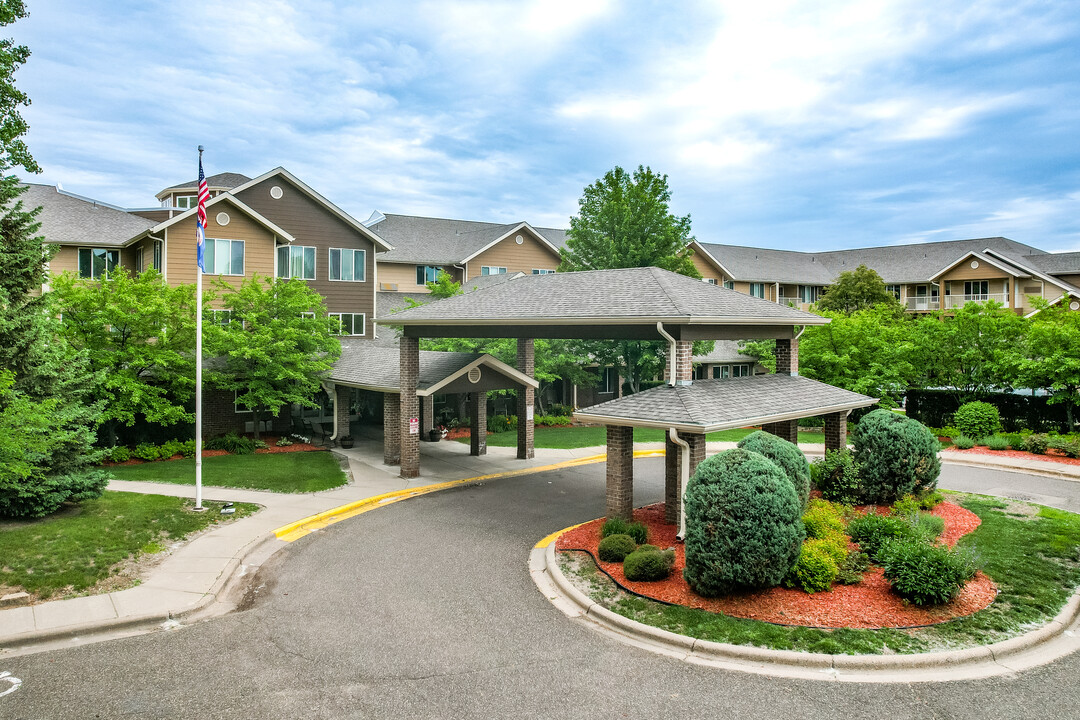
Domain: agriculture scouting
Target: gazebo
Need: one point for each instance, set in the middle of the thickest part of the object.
(629, 304)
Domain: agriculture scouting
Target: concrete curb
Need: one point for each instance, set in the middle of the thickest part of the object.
(1041, 470)
(826, 666)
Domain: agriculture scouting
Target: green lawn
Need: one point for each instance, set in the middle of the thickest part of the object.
(296, 472)
(563, 438)
(79, 546)
(1028, 550)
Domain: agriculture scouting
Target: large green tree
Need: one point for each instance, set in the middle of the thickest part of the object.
(856, 290)
(277, 347)
(47, 415)
(1049, 357)
(139, 334)
(624, 221)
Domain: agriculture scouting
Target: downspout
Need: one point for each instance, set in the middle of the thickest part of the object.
(684, 478)
(776, 293)
(672, 359)
(331, 390)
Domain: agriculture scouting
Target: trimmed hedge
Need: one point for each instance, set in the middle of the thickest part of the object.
(784, 453)
(896, 456)
(1018, 412)
(744, 524)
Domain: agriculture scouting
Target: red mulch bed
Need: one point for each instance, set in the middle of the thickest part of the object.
(270, 440)
(870, 604)
(1052, 454)
(456, 433)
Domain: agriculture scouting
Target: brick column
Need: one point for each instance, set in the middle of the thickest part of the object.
(427, 414)
(787, 357)
(787, 429)
(620, 472)
(478, 423)
(342, 396)
(684, 368)
(391, 429)
(410, 407)
(836, 430)
(526, 364)
(672, 481)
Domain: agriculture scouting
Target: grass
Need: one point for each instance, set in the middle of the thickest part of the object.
(297, 472)
(1031, 552)
(79, 546)
(564, 438)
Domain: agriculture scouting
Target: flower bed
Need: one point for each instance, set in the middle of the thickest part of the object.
(270, 440)
(1052, 455)
(868, 604)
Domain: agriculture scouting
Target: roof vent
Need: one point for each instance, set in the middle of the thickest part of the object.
(59, 187)
(474, 375)
(375, 218)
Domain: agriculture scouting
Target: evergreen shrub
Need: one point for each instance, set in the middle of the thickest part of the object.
(815, 570)
(853, 567)
(837, 476)
(926, 574)
(744, 524)
(871, 531)
(784, 453)
(929, 501)
(977, 419)
(896, 456)
(615, 548)
(646, 564)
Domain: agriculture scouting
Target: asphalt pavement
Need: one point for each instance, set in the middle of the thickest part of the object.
(425, 609)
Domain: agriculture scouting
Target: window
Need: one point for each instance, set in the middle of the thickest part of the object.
(711, 281)
(351, 323)
(218, 317)
(138, 259)
(157, 255)
(609, 380)
(809, 293)
(894, 289)
(977, 290)
(729, 284)
(97, 262)
(224, 257)
(296, 261)
(426, 274)
(757, 290)
(186, 201)
(541, 271)
(492, 270)
(237, 407)
(348, 264)
(740, 370)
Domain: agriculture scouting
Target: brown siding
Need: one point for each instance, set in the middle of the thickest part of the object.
(180, 246)
(404, 276)
(156, 215)
(312, 224)
(531, 254)
(1073, 280)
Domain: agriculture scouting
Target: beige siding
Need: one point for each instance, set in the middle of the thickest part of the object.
(404, 276)
(180, 246)
(529, 255)
(770, 289)
(66, 259)
(964, 271)
(706, 268)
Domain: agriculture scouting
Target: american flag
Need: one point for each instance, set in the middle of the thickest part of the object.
(200, 231)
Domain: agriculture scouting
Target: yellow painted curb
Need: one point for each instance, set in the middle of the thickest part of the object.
(555, 535)
(300, 528)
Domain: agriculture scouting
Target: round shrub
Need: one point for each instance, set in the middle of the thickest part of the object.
(872, 531)
(926, 574)
(120, 454)
(837, 476)
(785, 454)
(815, 570)
(977, 419)
(744, 524)
(615, 548)
(822, 519)
(648, 564)
(896, 456)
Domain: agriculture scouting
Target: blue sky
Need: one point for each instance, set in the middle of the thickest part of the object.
(804, 125)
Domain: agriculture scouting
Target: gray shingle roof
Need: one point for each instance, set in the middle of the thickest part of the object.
(439, 241)
(227, 180)
(896, 263)
(637, 294)
(70, 220)
(365, 364)
(1055, 263)
(710, 405)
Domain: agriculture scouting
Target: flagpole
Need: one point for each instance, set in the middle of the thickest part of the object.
(198, 365)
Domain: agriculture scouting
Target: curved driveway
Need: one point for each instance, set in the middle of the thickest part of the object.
(426, 609)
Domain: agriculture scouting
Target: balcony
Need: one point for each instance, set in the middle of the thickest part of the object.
(952, 302)
(922, 304)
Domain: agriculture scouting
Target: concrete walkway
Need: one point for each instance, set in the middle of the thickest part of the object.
(198, 578)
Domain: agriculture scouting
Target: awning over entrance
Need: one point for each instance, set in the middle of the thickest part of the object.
(711, 405)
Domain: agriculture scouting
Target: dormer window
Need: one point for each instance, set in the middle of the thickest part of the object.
(185, 201)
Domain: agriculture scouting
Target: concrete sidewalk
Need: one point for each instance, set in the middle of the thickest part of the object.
(197, 576)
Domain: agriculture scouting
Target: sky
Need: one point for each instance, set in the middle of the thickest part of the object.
(802, 125)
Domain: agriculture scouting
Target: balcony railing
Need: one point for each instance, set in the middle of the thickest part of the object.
(922, 303)
(958, 301)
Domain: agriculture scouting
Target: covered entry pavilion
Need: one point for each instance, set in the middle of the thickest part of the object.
(626, 304)
(688, 412)
(369, 367)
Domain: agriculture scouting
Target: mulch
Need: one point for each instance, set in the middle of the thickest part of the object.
(1052, 454)
(271, 448)
(870, 604)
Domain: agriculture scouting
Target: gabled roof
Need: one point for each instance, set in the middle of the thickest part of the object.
(711, 405)
(221, 181)
(1055, 263)
(1013, 269)
(440, 241)
(1067, 287)
(311, 193)
(699, 248)
(228, 199)
(630, 296)
(68, 219)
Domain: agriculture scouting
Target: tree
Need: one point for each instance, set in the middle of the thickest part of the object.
(1049, 357)
(856, 290)
(624, 221)
(139, 334)
(277, 347)
(47, 417)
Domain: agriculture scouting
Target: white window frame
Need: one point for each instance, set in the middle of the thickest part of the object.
(539, 271)
(341, 265)
(423, 270)
(230, 242)
(115, 253)
(219, 316)
(729, 284)
(192, 201)
(487, 270)
(286, 272)
(711, 281)
(760, 286)
(363, 324)
(894, 289)
(159, 253)
(139, 259)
